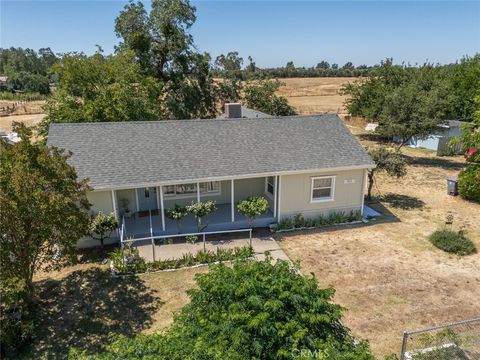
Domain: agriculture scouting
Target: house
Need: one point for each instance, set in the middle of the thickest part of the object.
(302, 164)
(439, 139)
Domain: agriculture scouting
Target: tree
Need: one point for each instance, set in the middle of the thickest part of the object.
(385, 160)
(230, 62)
(44, 210)
(260, 95)
(323, 65)
(102, 88)
(251, 310)
(102, 226)
(199, 210)
(253, 207)
(177, 214)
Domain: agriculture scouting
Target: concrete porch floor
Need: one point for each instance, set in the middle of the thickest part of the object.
(139, 226)
(260, 245)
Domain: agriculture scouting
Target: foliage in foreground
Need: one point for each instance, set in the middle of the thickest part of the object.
(16, 324)
(253, 310)
(43, 208)
(299, 222)
(128, 260)
(453, 242)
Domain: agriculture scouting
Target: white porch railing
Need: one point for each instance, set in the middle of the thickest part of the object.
(153, 237)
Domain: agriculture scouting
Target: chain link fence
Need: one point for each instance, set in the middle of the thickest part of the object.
(454, 341)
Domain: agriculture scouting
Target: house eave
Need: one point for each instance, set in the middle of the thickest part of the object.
(234, 177)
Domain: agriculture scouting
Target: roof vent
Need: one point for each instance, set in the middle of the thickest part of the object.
(233, 110)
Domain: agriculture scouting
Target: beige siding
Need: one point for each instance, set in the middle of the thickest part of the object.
(101, 201)
(295, 194)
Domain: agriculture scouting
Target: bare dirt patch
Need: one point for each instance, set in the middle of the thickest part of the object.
(315, 95)
(387, 274)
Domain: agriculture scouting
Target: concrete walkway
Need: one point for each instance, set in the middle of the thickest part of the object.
(177, 250)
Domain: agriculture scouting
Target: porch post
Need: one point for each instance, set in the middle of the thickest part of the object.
(198, 192)
(161, 208)
(364, 178)
(136, 199)
(233, 199)
(114, 203)
(275, 192)
(279, 196)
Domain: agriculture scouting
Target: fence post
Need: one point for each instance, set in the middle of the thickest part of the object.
(404, 345)
(250, 240)
(151, 234)
(204, 242)
(153, 249)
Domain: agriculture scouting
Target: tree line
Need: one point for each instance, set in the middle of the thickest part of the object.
(27, 70)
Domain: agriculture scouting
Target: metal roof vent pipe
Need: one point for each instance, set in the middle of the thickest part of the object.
(233, 110)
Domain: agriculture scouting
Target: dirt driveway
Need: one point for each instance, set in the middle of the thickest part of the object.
(387, 274)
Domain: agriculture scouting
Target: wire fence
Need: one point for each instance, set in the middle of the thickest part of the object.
(454, 341)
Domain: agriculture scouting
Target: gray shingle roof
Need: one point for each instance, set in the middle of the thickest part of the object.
(142, 153)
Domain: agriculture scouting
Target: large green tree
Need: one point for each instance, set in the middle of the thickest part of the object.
(260, 95)
(251, 310)
(102, 88)
(43, 208)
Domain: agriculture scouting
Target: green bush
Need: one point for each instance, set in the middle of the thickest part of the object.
(251, 310)
(469, 183)
(131, 262)
(6, 95)
(299, 222)
(453, 242)
(16, 324)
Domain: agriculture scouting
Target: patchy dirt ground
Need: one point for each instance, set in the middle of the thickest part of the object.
(81, 304)
(315, 95)
(387, 274)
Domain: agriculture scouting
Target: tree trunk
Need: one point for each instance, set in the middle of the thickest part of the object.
(371, 180)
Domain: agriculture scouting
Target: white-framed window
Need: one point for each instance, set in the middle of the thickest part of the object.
(270, 185)
(322, 188)
(190, 190)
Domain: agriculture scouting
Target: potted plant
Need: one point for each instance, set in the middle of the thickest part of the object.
(177, 214)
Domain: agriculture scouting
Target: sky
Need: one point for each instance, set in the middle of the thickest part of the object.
(272, 32)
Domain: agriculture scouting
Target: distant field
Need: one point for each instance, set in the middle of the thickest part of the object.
(30, 113)
(315, 95)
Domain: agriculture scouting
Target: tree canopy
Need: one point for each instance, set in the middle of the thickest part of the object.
(253, 310)
(43, 207)
(26, 69)
(411, 101)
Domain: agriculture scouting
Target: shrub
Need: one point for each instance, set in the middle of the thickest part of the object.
(299, 222)
(452, 242)
(16, 325)
(253, 207)
(130, 262)
(469, 183)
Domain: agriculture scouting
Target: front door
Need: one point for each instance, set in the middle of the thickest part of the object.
(147, 198)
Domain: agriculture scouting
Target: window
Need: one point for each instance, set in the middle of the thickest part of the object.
(190, 190)
(269, 185)
(322, 188)
(147, 192)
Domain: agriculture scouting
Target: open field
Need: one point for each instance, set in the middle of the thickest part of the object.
(315, 95)
(387, 274)
(30, 113)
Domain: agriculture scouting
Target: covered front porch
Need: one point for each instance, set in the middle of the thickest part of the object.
(141, 211)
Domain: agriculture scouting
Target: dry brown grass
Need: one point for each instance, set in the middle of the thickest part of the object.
(388, 275)
(79, 305)
(29, 120)
(315, 95)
